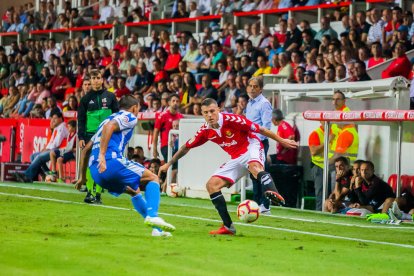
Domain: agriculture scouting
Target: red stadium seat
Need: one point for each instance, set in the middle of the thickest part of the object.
(392, 181)
(405, 183)
(412, 184)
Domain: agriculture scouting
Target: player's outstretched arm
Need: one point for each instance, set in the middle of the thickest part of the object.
(83, 165)
(287, 143)
(183, 150)
(107, 131)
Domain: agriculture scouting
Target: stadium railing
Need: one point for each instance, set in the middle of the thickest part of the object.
(314, 13)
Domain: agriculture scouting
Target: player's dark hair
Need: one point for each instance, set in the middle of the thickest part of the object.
(359, 161)
(370, 164)
(156, 161)
(342, 159)
(173, 96)
(72, 123)
(208, 102)
(127, 101)
(139, 147)
(95, 73)
(340, 92)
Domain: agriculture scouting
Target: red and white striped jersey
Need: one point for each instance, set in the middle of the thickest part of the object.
(233, 135)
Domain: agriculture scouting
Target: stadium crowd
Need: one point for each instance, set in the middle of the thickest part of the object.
(217, 66)
(42, 78)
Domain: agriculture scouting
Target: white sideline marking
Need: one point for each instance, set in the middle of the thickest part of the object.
(209, 208)
(214, 220)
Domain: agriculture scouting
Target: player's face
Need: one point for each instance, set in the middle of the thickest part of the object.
(366, 171)
(210, 113)
(253, 89)
(96, 82)
(355, 170)
(340, 166)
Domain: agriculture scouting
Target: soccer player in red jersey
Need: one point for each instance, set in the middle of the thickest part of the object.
(236, 135)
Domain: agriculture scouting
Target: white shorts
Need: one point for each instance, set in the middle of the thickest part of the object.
(235, 169)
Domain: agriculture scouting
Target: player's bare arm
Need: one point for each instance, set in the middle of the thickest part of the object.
(287, 143)
(155, 143)
(83, 165)
(183, 150)
(107, 131)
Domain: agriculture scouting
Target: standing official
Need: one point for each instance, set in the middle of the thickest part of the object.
(259, 111)
(94, 107)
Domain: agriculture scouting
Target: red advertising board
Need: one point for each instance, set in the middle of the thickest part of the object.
(34, 140)
(24, 135)
(5, 147)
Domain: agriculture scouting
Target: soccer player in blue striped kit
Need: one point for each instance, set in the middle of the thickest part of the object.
(118, 175)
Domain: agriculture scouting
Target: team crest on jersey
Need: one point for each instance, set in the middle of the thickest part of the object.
(229, 134)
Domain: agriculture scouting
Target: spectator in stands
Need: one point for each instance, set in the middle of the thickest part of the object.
(330, 74)
(361, 73)
(8, 102)
(363, 26)
(326, 29)
(249, 5)
(343, 176)
(144, 78)
(72, 104)
(59, 83)
(286, 69)
(58, 157)
(224, 7)
(293, 37)
(76, 20)
(231, 92)
(286, 131)
(181, 11)
(39, 159)
(320, 75)
(246, 67)
(16, 25)
(187, 92)
(52, 49)
(266, 5)
(372, 191)
(107, 12)
(401, 66)
(206, 6)
(194, 11)
(158, 72)
(173, 59)
(376, 52)
(163, 125)
(308, 43)
(262, 66)
(309, 77)
(376, 30)
(52, 107)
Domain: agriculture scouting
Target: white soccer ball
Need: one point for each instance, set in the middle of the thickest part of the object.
(50, 178)
(176, 190)
(248, 211)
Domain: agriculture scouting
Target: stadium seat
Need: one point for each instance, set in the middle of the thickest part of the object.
(392, 181)
(405, 183)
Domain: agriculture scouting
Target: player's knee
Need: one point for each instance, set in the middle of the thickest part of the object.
(60, 160)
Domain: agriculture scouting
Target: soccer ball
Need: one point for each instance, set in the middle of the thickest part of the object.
(248, 211)
(50, 178)
(176, 191)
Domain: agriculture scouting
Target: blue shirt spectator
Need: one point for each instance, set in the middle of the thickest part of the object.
(259, 111)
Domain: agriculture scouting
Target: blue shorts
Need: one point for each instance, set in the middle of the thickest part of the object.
(119, 174)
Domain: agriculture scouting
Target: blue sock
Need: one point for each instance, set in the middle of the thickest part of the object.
(140, 205)
(152, 195)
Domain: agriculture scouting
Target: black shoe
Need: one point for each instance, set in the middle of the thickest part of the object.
(98, 199)
(89, 198)
(275, 197)
(21, 177)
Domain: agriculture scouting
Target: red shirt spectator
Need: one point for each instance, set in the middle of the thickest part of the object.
(59, 83)
(401, 66)
(164, 124)
(288, 156)
(172, 62)
(372, 61)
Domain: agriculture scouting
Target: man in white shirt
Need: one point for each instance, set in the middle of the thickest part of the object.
(39, 159)
(106, 12)
(194, 12)
(205, 6)
(51, 50)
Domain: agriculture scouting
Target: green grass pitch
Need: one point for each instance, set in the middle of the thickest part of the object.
(47, 230)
